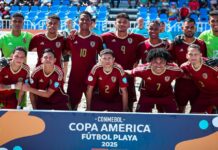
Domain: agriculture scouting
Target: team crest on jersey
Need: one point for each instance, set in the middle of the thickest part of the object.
(75, 42)
(130, 40)
(58, 44)
(204, 75)
(41, 80)
(100, 78)
(6, 76)
(26, 81)
(20, 79)
(113, 79)
(124, 80)
(92, 43)
(114, 40)
(90, 78)
(56, 84)
(149, 78)
(167, 78)
(146, 51)
(24, 40)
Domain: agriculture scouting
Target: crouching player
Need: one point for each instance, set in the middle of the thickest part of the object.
(157, 76)
(107, 85)
(205, 77)
(46, 84)
(12, 75)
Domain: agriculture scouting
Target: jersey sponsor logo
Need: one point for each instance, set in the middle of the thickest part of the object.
(42, 43)
(10, 43)
(92, 43)
(113, 79)
(114, 40)
(6, 76)
(130, 40)
(149, 78)
(90, 78)
(124, 80)
(204, 75)
(58, 44)
(41, 80)
(24, 40)
(167, 78)
(181, 50)
(56, 84)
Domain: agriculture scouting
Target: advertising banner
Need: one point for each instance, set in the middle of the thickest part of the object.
(57, 130)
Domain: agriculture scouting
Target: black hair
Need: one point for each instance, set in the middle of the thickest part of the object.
(122, 15)
(49, 50)
(106, 51)
(154, 22)
(85, 13)
(158, 53)
(21, 49)
(189, 20)
(53, 16)
(17, 15)
(213, 13)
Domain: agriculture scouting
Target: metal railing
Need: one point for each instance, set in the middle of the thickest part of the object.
(102, 25)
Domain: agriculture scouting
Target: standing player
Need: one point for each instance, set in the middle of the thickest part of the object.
(179, 52)
(46, 84)
(205, 77)
(50, 39)
(83, 47)
(107, 85)
(9, 41)
(124, 45)
(153, 41)
(12, 75)
(157, 76)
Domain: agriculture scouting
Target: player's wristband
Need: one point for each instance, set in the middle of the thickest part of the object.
(12, 86)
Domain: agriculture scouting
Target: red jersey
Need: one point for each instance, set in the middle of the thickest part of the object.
(108, 85)
(8, 76)
(179, 51)
(146, 46)
(125, 49)
(84, 52)
(205, 77)
(41, 42)
(54, 80)
(157, 85)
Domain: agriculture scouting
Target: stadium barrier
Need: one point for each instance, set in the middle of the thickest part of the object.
(101, 25)
(59, 130)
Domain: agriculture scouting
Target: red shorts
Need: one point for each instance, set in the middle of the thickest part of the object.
(75, 93)
(55, 102)
(9, 101)
(185, 90)
(146, 103)
(99, 103)
(203, 102)
(131, 92)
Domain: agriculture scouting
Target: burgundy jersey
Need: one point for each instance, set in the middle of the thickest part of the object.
(84, 52)
(146, 46)
(41, 42)
(54, 80)
(179, 51)
(157, 85)
(205, 77)
(108, 85)
(125, 49)
(8, 76)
